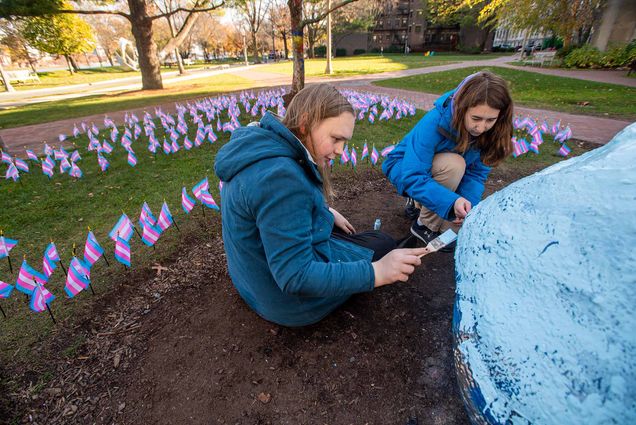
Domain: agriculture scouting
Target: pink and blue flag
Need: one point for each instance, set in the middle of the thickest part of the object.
(21, 165)
(12, 173)
(365, 151)
(146, 215)
(47, 168)
(77, 278)
(92, 249)
(122, 251)
(6, 158)
(28, 278)
(186, 201)
(202, 192)
(132, 158)
(165, 217)
(150, 233)
(32, 156)
(40, 299)
(187, 144)
(5, 289)
(123, 228)
(103, 162)
(75, 171)
(344, 157)
(564, 150)
(6, 245)
(354, 157)
(374, 155)
(51, 257)
(387, 150)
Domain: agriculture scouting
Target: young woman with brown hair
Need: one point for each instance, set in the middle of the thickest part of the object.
(442, 164)
(291, 257)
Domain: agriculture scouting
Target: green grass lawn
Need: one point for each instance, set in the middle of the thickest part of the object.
(37, 210)
(100, 104)
(537, 91)
(374, 63)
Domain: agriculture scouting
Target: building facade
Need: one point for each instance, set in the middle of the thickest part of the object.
(402, 25)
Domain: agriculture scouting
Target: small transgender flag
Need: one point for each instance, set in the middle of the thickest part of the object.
(47, 168)
(187, 144)
(6, 245)
(146, 215)
(516, 148)
(75, 171)
(166, 147)
(186, 201)
(75, 156)
(365, 151)
(28, 278)
(175, 146)
(32, 156)
(21, 165)
(165, 217)
(220, 186)
(40, 299)
(77, 278)
(12, 173)
(50, 258)
(150, 233)
(122, 251)
(107, 147)
(103, 162)
(203, 185)
(344, 158)
(202, 192)
(387, 150)
(564, 150)
(92, 249)
(61, 137)
(374, 155)
(371, 118)
(354, 157)
(132, 159)
(5, 289)
(6, 158)
(124, 229)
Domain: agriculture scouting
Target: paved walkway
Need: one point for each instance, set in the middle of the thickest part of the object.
(588, 128)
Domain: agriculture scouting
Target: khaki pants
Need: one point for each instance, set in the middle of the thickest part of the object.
(448, 169)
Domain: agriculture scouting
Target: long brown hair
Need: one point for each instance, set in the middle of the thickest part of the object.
(307, 109)
(485, 87)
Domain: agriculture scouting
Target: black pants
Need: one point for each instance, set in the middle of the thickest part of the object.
(380, 243)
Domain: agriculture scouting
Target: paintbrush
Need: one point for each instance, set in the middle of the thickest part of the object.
(440, 242)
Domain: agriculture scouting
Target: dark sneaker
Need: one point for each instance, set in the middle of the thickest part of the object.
(423, 233)
(410, 210)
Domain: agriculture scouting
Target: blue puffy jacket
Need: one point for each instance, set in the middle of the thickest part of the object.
(277, 229)
(408, 166)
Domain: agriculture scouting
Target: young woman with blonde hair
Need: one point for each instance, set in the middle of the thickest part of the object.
(444, 161)
(291, 257)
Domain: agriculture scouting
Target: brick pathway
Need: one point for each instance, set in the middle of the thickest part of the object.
(588, 128)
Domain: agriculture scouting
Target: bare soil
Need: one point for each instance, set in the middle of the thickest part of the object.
(181, 347)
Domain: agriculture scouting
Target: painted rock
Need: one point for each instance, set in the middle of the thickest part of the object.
(545, 314)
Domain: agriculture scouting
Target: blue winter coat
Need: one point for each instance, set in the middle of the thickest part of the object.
(277, 229)
(408, 166)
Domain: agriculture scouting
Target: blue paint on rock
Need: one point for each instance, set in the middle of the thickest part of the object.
(544, 319)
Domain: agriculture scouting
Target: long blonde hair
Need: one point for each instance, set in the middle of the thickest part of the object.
(485, 87)
(310, 107)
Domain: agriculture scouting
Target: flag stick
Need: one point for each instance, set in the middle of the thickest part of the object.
(106, 259)
(63, 268)
(10, 265)
(203, 210)
(2, 311)
(137, 231)
(90, 285)
(50, 314)
(175, 224)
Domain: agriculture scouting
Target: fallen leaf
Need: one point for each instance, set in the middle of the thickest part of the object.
(264, 398)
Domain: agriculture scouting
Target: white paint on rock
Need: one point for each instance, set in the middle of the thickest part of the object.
(546, 293)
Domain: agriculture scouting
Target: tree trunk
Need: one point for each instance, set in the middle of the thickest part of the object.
(68, 63)
(28, 56)
(147, 49)
(285, 44)
(71, 59)
(109, 56)
(179, 61)
(297, 29)
(257, 56)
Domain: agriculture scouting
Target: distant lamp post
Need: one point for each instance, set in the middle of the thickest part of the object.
(245, 51)
(329, 68)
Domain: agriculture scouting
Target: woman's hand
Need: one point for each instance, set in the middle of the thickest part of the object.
(462, 207)
(342, 222)
(397, 265)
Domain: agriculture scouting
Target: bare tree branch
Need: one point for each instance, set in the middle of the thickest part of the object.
(95, 12)
(189, 10)
(322, 16)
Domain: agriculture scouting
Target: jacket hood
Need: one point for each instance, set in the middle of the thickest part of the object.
(266, 139)
(444, 105)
